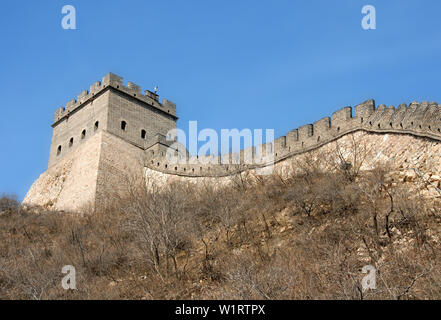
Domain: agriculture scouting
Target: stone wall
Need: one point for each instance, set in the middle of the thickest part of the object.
(406, 156)
(99, 159)
(76, 128)
(120, 168)
(417, 119)
(71, 183)
(138, 117)
(106, 167)
(105, 106)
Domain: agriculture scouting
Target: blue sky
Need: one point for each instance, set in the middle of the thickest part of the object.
(227, 64)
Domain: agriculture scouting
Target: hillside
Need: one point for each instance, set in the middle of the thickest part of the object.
(304, 232)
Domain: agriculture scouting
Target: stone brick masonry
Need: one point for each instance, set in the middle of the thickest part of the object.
(113, 132)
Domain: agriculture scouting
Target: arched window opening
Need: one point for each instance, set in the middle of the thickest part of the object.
(58, 150)
(96, 126)
(70, 142)
(143, 134)
(123, 125)
(83, 134)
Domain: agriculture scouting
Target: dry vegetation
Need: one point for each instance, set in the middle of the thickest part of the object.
(302, 235)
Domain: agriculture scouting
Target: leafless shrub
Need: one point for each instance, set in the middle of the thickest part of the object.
(250, 278)
(160, 219)
(239, 240)
(8, 203)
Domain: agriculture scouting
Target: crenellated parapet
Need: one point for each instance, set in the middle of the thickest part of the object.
(114, 82)
(114, 131)
(418, 119)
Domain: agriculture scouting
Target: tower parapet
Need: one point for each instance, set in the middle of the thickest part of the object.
(112, 106)
(114, 81)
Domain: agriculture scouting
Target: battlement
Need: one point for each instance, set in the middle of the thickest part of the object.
(115, 82)
(113, 129)
(122, 110)
(418, 119)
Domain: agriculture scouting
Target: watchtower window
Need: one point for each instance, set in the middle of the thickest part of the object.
(143, 134)
(96, 126)
(123, 125)
(71, 142)
(83, 134)
(58, 150)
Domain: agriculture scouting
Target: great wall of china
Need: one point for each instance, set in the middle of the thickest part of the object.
(112, 128)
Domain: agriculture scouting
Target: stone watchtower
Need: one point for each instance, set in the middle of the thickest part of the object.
(98, 139)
